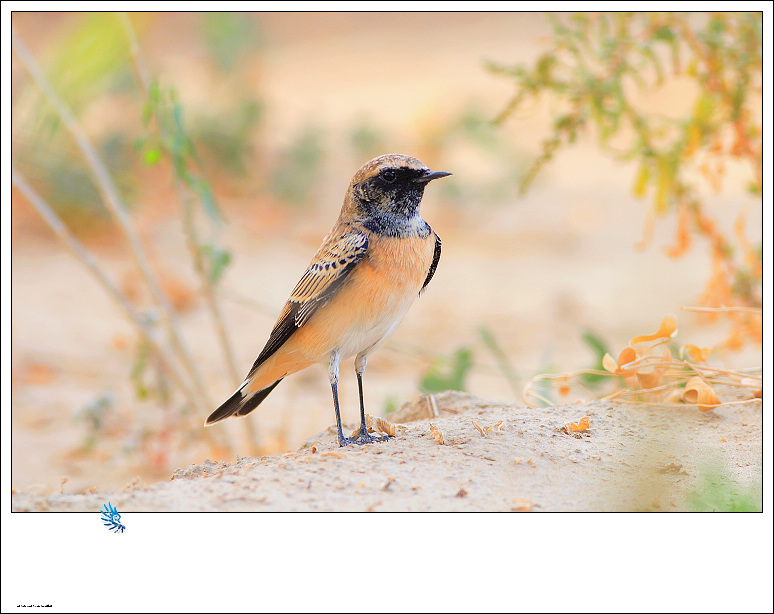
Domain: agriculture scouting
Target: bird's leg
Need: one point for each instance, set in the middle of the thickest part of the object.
(333, 375)
(362, 434)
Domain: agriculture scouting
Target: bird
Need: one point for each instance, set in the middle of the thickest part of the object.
(378, 258)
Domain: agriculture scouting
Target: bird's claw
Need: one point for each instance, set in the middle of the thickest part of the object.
(362, 437)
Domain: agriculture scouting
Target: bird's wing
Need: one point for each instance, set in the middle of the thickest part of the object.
(434, 264)
(329, 269)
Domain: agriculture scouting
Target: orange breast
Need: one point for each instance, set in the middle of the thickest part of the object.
(367, 307)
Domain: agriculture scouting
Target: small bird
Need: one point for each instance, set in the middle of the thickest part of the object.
(378, 258)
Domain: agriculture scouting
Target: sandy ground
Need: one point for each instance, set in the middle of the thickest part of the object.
(545, 267)
(633, 458)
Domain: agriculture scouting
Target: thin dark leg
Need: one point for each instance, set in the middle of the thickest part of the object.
(363, 436)
(360, 394)
(335, 389)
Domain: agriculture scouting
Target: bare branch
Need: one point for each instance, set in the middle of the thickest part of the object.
(116, 207)
(135, 317)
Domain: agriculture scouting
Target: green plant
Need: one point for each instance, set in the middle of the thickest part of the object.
(593, 71)
(503, 362)
(447, 374)
(229, 37)
(391, 405)
(170, 356)
(719, 493)
(595, 343)
(366, 141)
(298, 168)
(91, 62)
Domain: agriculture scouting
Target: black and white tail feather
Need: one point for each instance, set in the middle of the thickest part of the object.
(240, 404)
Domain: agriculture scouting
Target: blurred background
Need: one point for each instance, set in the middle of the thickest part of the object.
(231, 138)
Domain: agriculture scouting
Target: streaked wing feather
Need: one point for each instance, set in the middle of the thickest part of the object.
(329, 269)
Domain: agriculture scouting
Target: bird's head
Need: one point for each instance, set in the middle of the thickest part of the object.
(392, 184)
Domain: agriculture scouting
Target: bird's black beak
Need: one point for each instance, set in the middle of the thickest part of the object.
(430, 175)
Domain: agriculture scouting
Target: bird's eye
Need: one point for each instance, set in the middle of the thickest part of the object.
(388, 176)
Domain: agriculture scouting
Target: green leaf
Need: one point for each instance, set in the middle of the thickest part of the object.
(718, 491)
(641, 181)
(217, 260)
(89, 58)
(503, 362)
(664, 33)
(206, 198)
(448, 374)
(151, 156)
(593, 341)
(390, 405)
(139, 368)
(229, 36)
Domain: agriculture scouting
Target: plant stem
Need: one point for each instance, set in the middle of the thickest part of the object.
(192, 238)
(208, 291)
(116, 207)
(135, 317)
(505, 366)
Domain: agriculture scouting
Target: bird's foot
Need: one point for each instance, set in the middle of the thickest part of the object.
(362, 436)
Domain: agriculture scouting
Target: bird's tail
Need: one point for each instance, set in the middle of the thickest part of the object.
(240, 404)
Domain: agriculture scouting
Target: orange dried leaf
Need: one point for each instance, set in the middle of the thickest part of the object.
(649, 377)
(666, 353)
(723, 439)
(522, 505)
(562, 384)
(478, 427)
(696, 353)
(38, 373)
(437, 434)
(683, 238)
(384, 427)
(626, 356)
(609, 363)
(495, 427)
(578, 427)
(666, 330)
(698, 392)
(675, 396)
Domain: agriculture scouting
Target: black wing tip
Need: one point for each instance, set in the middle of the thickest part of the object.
(433, 265)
